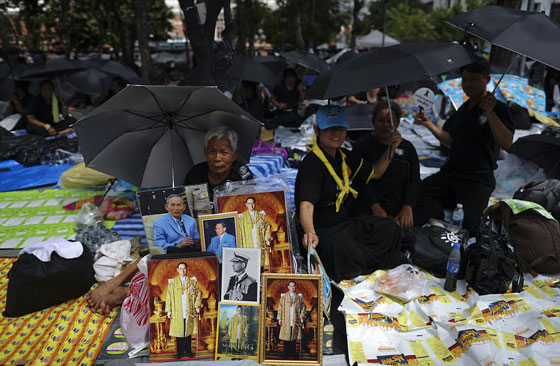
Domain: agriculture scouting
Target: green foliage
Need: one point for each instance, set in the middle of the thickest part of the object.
(84, 25)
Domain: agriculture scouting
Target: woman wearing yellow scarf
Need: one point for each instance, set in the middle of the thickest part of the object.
(328, 181)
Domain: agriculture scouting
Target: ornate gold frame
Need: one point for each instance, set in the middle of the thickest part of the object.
(266, 277)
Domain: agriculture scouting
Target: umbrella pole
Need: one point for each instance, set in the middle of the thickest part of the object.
(172, 158)
(501, 77)
(390, 117)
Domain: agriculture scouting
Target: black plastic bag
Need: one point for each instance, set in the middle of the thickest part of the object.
(492, 265)
(35, 285)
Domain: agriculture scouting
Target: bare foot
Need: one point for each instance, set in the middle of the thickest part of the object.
(114, 299)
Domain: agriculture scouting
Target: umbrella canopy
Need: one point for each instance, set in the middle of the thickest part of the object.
(52, 68)
(152, 135)
(532, 34)
(308, 60)
(245, 68)
(359, 117)
(273, 63)
(89, 81)
(543, 150)
(375, 39)
(388, 66)
(113, 68)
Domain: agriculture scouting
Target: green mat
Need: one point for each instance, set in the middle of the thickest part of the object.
(27, 217)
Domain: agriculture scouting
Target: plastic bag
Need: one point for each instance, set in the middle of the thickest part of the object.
(79, 176)
(135, 311)
(110, 260)
(87, 216)
(404, 283)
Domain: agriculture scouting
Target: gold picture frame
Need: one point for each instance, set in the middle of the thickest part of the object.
(206, 228)
(301, 342)
(244, 342)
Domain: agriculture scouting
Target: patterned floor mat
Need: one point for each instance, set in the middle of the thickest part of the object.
(67, 334)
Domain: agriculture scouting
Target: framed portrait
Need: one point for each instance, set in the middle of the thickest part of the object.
(291, 319)
(161, 220)
(241, 275)
(262, 224)
(238, 331)
(183, 308)
(217, 232)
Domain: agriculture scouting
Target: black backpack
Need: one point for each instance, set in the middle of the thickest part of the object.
(432, 247)
(491, 264)
(545, 193)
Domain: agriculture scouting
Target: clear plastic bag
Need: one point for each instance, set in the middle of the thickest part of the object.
(404, 283)
(88, 215)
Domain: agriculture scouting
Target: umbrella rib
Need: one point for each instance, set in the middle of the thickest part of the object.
(155, 99)
(146, 117)
(186, 100)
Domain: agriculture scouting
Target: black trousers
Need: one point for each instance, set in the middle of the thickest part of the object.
(444, 190)
(290, 349)
(184, 346)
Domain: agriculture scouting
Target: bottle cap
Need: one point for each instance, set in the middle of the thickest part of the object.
(457, 245)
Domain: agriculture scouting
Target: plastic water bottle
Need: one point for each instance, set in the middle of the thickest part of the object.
(458, 215)
(453, 266)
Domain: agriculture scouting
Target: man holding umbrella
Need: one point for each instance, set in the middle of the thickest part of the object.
(476, 133)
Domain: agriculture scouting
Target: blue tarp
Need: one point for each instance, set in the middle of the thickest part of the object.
(14, 176)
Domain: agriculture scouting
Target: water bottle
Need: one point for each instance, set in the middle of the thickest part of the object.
(277, 142)
(458, 215)
(453, 266)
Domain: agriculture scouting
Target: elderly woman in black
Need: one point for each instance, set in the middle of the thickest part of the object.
(347, 246)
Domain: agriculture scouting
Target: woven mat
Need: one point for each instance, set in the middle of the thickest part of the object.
(67, 334)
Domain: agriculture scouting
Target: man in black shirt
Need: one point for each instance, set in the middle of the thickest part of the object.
(46, 114)
(222, 165)
(287, 96)
(476, 133)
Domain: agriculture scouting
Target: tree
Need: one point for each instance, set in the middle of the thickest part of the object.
(358, 4)
(141, 9)
(201, 37)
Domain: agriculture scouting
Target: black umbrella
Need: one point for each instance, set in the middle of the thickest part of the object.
(359, 117)
(245, 68)
(152, 135)
(388, 66)
(115, 69)
(273, 63)
(52, 68)
(529, 33)
(89, 81)
(543, 150)
(308, 60)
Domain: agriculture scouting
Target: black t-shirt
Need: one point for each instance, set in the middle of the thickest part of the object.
(474, 150)
(199, 175)
(315, 185)
(283, 95)
(400, 184)
(41, 110)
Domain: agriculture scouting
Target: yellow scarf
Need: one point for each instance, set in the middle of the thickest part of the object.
(55, 111)
(344, 187)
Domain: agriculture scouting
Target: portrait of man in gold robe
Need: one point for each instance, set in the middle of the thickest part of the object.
(255, 231)
(238, 332)
(291, 316)
(182, 305)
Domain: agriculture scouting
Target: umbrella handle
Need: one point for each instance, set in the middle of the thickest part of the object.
(501, 77)
(390, 117)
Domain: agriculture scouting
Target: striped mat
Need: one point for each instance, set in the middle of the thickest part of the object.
(66, 334)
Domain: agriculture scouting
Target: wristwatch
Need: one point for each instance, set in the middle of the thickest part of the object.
(46, 126)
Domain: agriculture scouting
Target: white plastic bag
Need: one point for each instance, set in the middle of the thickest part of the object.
(88, 215)
(135, 311)
(111, 259)
(404, 283)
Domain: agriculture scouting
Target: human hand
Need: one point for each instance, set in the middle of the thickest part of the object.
(404, 218)
(377, 210)
(279, 322)
(396, 140)
(310, 238)
(282, 105)
(186, 242)
(488, 103)
(169, 315)
(51, 131)
(421, 118)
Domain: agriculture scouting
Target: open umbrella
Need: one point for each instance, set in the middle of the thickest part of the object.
(245, 68)
(152, 135)
(388, 66)
(542, 149)
(89, 81)
(529, 33)
(52, 68)
(273, 63)
(114, 68)
(308, 60)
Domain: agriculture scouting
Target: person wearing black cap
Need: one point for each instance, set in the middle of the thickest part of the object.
(241, 287)
(347, 246)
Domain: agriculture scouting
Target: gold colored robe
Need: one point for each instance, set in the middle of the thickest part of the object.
(263, 233)
(174, 305)
(288, 332)
(238, 343)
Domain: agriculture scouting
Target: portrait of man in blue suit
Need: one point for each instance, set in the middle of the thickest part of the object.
(176, 232)
(222, 240)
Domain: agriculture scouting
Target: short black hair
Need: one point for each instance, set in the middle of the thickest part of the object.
(185, 263)
(292, 281)
(479, 67)
(239, 307)
(289, 72)
(384, 104)
(251, 198)
(46, 82)
(221, 223)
